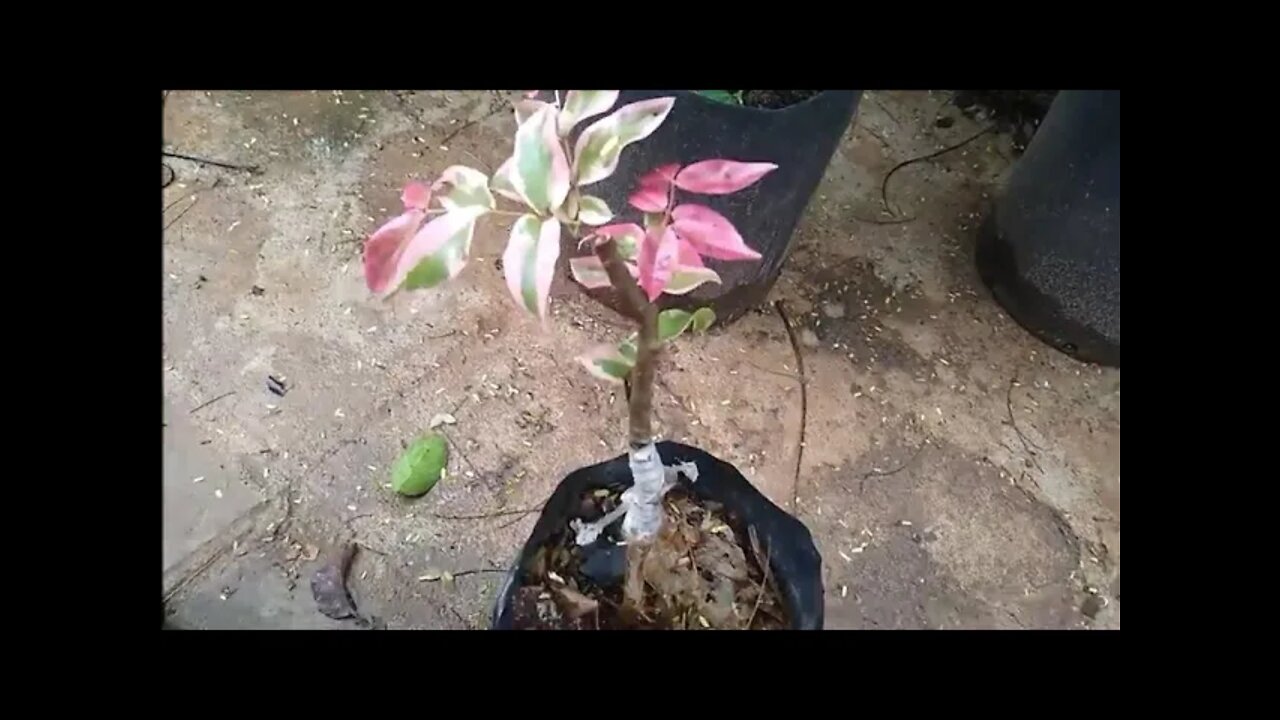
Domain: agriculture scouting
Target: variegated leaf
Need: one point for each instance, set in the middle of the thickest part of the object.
(607, 363)
(438, 251)
(589, 272)
(529, 261)
(540, 170)
(671, 323)
(628, 236)
(690, 272)
(462, 187)
(527, 107)
(685, 280)
(582, 104)
(593, 211)
(502, 182)
(600, 145)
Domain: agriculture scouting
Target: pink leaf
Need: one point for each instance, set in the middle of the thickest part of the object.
(720, 177)
(710, 233)
(657, 261)
(600, 145)
(529, 261)
(589, 272)
(385, 244)
(531, 93)
(416, 196)
(653, 189)
(436, 252)
(649, 199)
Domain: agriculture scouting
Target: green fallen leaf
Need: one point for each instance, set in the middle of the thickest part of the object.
(420, 467)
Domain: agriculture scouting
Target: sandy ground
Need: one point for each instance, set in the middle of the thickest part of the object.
(956, 472)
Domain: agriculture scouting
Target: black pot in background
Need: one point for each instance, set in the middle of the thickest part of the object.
(800, 139)
(793, 557)
(1050, 252)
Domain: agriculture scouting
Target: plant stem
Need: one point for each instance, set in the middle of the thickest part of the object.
(640, 405)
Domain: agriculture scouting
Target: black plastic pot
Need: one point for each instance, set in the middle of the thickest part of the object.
(800, 139)
(1050, 251)
(794, 559)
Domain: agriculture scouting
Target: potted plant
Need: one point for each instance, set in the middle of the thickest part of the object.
(803, 126)
(666, 535)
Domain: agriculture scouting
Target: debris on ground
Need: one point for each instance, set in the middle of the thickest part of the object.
(329, 585)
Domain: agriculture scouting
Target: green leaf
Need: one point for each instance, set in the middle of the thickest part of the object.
(420, 467)
(723, 96)
(608, 362)
(672, 323)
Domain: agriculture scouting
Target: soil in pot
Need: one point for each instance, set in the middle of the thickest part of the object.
(768, 99)
(704, 571)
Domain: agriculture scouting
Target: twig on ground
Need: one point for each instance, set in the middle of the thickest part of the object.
(442, 335)
(486, 516)
(164, 183)
(884, 185)
(886, 473)
(779, 373)
(892, 221)
(206, 404)
(764, 577)
(460, 573)
(492, 111)
(804, 402)
(185, 210)
(251, 169)
(1008, 403)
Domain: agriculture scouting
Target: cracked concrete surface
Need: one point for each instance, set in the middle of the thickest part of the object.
(957, 473)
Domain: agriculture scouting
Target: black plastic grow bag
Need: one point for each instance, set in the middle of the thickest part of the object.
(800, 139)
(1050, 252)
(793, 557)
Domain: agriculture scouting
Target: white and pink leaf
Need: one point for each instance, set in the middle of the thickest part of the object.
(600, 145)
(593, 211)
(529, 261)
(540, 169)
(582, 104)
(462, 187)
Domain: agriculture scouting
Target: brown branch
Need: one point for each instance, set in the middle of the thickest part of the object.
(640, 397)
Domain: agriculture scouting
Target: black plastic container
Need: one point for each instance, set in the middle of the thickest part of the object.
(800, 139)
(1050, 251)
(793, 557)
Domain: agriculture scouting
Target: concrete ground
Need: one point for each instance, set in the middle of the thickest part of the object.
(956, 472)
